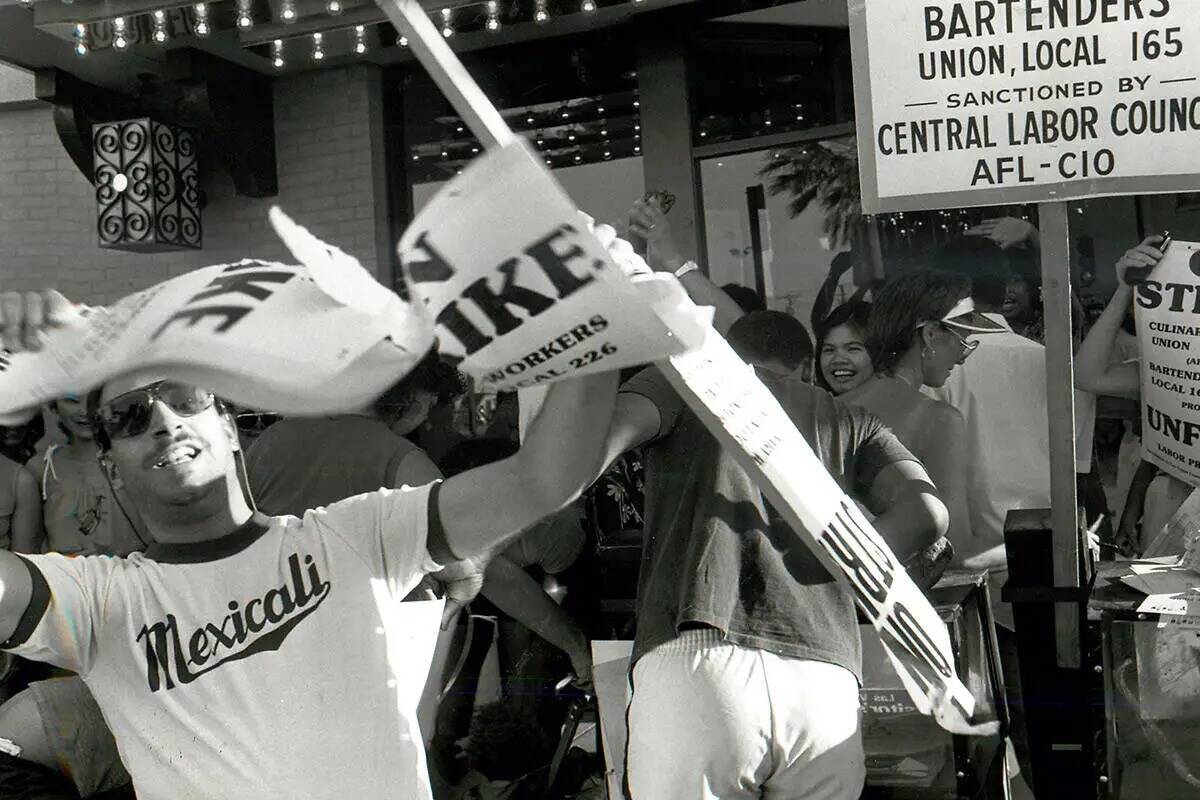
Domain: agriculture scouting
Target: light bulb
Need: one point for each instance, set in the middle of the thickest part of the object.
(589, 5)
(287, 11)
(334, 7)
(201, 27)
(360, 47)
(541, 15)
(81, 46)
(404, 41)
(447, 29)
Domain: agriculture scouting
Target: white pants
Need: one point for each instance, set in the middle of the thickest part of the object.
(708, 719)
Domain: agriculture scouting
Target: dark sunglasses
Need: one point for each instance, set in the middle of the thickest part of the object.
(129, 414)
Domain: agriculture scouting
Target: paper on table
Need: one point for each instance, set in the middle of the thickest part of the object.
(1170, 589)
(1173, 536)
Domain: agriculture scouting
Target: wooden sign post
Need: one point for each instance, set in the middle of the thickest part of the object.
(1060, 405)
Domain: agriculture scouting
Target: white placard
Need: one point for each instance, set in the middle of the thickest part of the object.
(1005, 101)
(750, 423)
(1168, 323)
(521, 293)
(317, 337)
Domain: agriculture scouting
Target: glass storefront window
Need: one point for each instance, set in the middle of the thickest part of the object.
(573, 98)
(757, 79)
(604, 190)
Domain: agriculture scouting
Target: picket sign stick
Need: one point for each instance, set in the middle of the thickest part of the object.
(749, 422)
(447, 72)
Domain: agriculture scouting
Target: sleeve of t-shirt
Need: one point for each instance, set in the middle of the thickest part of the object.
(62, 623)
(654, 386)
(392, 530)
(872, 444)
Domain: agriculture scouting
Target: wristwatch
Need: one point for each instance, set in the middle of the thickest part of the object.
(688, 266)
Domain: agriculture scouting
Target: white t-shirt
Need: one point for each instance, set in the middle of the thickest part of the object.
(1001, 392)
(277, 662)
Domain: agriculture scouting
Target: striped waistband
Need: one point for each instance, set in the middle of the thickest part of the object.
(689, 641)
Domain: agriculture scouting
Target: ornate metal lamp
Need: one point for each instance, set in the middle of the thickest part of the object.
(147, 186)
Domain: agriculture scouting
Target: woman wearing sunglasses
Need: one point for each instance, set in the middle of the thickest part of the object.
(917, 334)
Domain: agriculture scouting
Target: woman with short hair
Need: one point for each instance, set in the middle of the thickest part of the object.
(843, 360)
(917, 334)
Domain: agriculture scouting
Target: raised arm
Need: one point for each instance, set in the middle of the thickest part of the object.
(649, 222)
(910, 514)
(515, 593)
(1094, 370)
(484, 507)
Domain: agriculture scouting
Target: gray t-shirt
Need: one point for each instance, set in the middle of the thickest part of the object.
(717, 554)
(304, 463)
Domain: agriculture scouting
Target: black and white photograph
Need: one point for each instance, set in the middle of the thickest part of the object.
(599, 400)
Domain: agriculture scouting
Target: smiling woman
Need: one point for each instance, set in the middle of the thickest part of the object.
(844, 362)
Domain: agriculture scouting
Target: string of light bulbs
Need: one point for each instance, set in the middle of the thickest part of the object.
(124, 27)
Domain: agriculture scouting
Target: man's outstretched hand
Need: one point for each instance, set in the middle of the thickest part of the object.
(24, 316)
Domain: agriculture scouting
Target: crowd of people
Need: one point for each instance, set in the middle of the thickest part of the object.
(208, 601)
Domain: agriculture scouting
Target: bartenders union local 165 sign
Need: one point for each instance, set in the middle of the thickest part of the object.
(983, 102)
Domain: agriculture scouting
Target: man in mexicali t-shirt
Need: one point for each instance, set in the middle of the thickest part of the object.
(251, 656)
